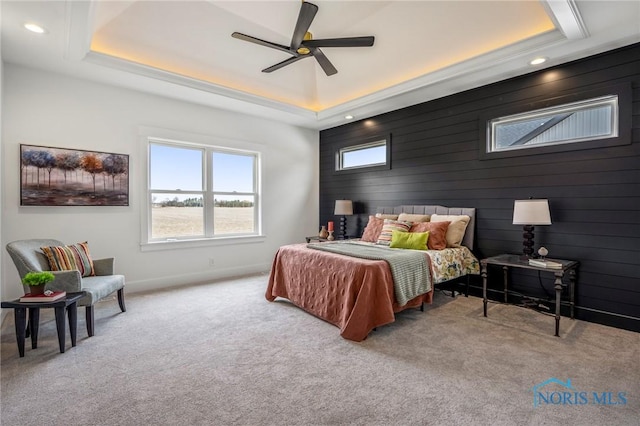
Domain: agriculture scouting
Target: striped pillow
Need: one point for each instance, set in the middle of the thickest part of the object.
(387, 230)
(69, 258)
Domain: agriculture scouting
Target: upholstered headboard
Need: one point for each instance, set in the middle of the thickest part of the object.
(469, 211)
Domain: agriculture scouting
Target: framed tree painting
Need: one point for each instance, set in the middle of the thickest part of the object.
(70, 177)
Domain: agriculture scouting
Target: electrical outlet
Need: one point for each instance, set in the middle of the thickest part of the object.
(212, 262)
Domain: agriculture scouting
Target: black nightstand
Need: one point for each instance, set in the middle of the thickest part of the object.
(567, 267)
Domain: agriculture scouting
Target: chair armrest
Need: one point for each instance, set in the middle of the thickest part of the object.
(69, 281)
(104, 266)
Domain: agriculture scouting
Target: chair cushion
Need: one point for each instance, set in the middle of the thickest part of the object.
(68, 258)
(98, 287)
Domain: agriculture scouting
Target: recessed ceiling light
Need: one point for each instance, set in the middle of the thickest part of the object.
(348, 117)
(35, 28)
(538, 61)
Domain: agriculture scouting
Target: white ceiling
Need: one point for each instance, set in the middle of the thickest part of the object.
(423, 49)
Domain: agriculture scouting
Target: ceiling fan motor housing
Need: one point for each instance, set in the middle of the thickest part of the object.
(305, 50)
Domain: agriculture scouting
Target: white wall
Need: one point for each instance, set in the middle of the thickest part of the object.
(1, 152)
(46, 109)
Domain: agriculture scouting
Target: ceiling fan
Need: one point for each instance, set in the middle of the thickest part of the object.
(302, 43)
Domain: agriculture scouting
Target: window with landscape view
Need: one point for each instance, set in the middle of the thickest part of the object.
(199, 192)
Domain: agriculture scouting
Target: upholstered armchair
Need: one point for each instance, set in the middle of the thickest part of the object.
(28, 257)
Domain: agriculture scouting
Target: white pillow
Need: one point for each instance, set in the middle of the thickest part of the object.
(408, 217)
(457, 227)
(387, 216)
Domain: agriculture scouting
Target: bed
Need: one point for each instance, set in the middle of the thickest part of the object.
(359, 292)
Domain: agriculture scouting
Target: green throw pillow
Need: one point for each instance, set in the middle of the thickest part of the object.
(409, 240)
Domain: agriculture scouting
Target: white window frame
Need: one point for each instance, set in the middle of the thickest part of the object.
(373, 143)
(568, 108)
(624, 125)
(149, 136)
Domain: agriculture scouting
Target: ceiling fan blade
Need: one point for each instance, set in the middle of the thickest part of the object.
(341, 42)
(284, 63)
(324, 62)
(305, 17)
(250, 39)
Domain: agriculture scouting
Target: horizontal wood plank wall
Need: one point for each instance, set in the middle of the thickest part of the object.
(594, 194)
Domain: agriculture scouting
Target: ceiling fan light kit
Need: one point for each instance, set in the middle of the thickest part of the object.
(303, 45)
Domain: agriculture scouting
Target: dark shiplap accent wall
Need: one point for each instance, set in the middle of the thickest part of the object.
(594, 194)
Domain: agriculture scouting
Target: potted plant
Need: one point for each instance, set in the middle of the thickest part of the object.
(37, 280)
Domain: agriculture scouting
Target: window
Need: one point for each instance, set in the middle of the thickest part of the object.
(594, 118)
(374, 153)
(574, 122)
(234, 195)
(198, 192)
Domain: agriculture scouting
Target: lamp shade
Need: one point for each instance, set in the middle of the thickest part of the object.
(343, 208)
(531, 212)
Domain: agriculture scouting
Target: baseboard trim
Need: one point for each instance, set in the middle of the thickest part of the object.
(582, 313)
(194, 278)
(155, 284)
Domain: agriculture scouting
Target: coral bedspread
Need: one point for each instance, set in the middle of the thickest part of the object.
(354, 294)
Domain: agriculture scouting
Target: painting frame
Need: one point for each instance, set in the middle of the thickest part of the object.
(53, 176)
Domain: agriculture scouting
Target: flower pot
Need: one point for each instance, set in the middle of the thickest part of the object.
(36, 289)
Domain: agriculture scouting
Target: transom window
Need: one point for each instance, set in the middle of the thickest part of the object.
(569, 123)
(199, 192)
(369, 154)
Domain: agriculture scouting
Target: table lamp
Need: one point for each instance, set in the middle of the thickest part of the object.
(343, 209)
(529, 213)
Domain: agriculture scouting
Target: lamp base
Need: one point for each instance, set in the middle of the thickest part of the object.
(527, 243)
(343, 228)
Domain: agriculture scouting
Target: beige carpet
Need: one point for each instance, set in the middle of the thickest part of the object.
(220, 354)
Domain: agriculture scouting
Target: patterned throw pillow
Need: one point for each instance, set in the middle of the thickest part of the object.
(69, 258)
(373, 229)
(388, 228)
(437, 233)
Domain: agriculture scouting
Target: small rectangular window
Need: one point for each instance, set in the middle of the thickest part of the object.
(568, 123)
(370, 154)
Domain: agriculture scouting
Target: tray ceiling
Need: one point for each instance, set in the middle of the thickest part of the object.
(422, 50)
